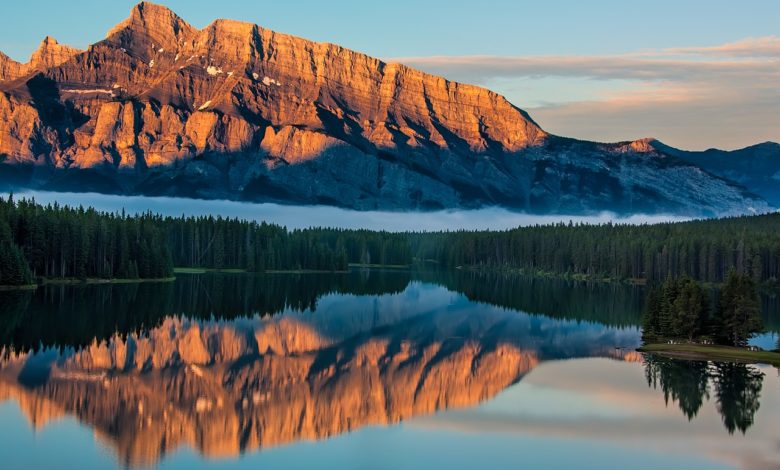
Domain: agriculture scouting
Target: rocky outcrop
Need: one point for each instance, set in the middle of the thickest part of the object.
(49, 54)
(237, 111)
(9, 68)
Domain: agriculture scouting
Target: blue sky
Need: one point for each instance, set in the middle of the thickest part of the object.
(414, 27)
(687, 108)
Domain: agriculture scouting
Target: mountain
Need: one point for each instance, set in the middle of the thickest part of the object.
(240, 112)
(756, 167)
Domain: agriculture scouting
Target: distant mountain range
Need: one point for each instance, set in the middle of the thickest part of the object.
(240, 112)
(756, 167)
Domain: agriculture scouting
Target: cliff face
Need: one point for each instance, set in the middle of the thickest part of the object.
(238, 111)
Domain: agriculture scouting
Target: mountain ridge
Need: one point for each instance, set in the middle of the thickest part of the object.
(237, 111)
(756, 166)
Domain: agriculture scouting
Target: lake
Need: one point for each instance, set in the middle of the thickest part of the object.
(370, 369)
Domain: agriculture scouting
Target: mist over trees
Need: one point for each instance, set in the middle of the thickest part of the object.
(55, 242)
(76, 243)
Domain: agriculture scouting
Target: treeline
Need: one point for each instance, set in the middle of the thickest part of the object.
(705, 250)
(62, 242)
(55, 242)
(239, 244)
(611, 304)
(681, 309)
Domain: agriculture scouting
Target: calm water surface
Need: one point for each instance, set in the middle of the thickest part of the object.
(365, 370)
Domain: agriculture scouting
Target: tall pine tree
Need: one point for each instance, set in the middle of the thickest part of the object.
(739, 310)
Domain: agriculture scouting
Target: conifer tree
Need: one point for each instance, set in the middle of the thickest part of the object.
(689, 309)
(669, 293)
(739, 310)
(651, 320)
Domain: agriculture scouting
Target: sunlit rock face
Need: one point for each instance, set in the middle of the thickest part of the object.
(241, 112)
(49, 54)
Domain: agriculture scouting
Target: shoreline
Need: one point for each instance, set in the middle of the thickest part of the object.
(15, 288)
(641, 282)
(85, 282)
(705, 352)
(551, 275)
(379, 266)
(244, 271)
(94, 281)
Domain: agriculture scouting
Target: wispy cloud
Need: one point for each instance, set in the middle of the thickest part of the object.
(480, 69)
(695, 97)
(767, 46)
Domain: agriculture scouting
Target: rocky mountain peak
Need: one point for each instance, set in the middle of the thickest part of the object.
(150, 27)
(51, 53)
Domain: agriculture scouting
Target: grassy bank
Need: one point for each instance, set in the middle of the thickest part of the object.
(379, 266)
(712, 353)
(303, 271)
(769, 287)
(207, 270)
(243, 271)
(566, 276)
(91, 281)
(88, 281)
(22, 287)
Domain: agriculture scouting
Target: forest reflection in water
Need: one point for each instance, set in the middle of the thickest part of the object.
(735, 387)
(66, 315)
(228, 363)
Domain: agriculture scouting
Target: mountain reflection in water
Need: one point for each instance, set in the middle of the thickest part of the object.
(227, 364)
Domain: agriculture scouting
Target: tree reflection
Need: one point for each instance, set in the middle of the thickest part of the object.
(73, 316)
(736, 387)
(685, 382)
(611, 304)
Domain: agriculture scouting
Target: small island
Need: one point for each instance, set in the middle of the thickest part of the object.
(678, 321)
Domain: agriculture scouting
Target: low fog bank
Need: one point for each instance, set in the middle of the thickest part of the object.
(326, 216)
